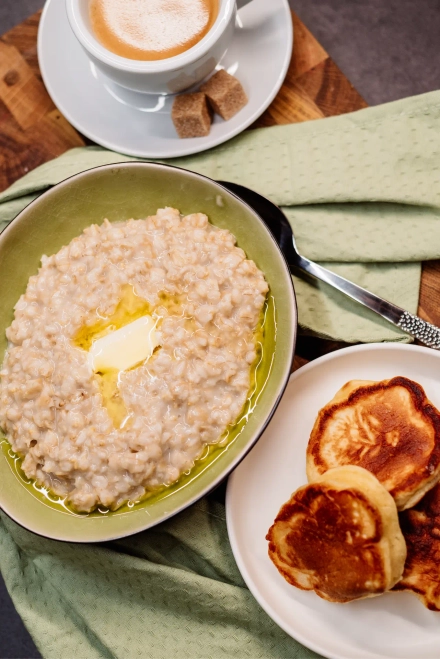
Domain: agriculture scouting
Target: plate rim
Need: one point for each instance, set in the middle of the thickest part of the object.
(173, 153)
(281, 388)
(235, 476)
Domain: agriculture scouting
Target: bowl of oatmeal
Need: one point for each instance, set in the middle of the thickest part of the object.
(146, 338)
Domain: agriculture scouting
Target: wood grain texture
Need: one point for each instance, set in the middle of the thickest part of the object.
(33, 131)
(429, 301)
(314, 86)
(24, 38)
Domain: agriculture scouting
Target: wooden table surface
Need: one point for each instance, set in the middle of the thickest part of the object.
(33, 131)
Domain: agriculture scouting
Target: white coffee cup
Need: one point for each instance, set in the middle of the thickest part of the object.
(166, 76)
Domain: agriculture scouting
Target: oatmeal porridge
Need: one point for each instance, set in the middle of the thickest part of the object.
(103, 437)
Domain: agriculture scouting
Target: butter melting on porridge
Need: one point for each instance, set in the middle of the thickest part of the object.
(102, 438)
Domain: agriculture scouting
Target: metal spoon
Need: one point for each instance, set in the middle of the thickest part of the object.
(279, 226)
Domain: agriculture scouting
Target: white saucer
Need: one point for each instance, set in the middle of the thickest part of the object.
(259, 55)
(392, 626)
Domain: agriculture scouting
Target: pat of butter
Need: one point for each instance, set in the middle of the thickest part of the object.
(124, 348)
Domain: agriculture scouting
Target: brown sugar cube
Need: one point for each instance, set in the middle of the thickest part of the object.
(225, 94)
(191, 115)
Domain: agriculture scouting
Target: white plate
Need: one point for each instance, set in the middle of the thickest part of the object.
(392, 626)
(259, 55)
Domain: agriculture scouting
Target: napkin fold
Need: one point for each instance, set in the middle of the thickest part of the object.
(362, 194)
(172, 591)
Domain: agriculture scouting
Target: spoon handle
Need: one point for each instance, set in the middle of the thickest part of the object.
(413, 325)
(278, 224)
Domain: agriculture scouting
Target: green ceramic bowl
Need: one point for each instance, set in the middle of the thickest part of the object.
(119, 192)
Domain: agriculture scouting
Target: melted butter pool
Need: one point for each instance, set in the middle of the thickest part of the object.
(130, 308)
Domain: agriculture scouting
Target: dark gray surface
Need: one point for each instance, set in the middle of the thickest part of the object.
(13, 12)
(387, 48)
(15, 642)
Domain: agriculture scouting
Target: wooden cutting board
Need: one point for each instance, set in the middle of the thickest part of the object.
(33, 131)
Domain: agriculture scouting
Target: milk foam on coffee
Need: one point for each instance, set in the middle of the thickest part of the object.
(151, 29)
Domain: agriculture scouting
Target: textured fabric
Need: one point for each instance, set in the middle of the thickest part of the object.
(361, 188)
(173, 591)
(362, 193)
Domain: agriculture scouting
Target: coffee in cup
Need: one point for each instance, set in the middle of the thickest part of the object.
(168, 74)
(149, 30)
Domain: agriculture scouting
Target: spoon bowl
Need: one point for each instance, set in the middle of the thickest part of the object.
(279, 226)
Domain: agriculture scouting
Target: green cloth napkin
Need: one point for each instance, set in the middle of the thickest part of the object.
(171, 592)
(362, 193)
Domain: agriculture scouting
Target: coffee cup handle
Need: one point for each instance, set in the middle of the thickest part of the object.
(242, 3)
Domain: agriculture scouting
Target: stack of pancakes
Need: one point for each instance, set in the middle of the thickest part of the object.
(374, 452)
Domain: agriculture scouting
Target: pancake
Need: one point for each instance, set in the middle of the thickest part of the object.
(421, 530)
(389, 428)
(339, 536)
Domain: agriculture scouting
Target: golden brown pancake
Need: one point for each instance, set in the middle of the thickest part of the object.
(421, 530)
(339, 536)
(389, 428)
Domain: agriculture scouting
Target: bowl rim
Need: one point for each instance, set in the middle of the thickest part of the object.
(280, 388)
(93, 46)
